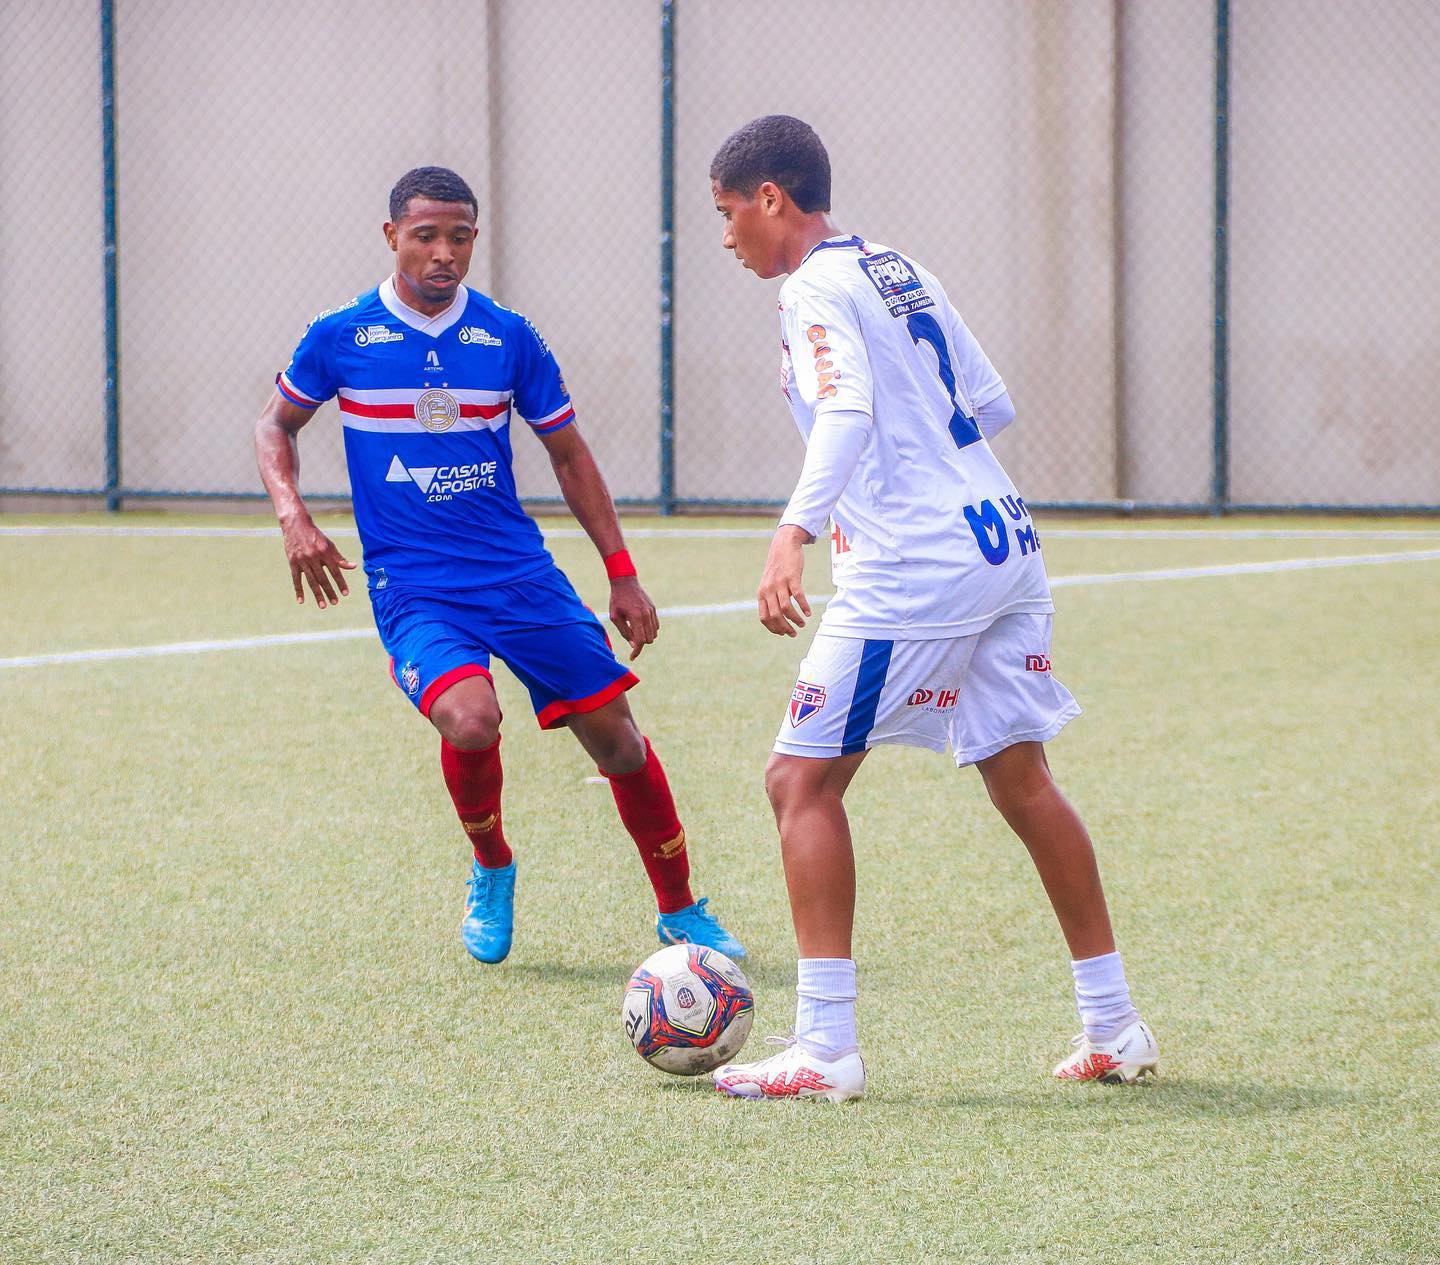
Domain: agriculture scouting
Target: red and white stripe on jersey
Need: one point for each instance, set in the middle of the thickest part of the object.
(553, 421)
(289, 391)
(392, 411)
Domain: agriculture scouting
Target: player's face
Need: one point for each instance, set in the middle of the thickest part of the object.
(433, 242)
(752, 228)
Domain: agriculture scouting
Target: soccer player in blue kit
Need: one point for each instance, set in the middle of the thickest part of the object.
(938, 635)
(428, 372)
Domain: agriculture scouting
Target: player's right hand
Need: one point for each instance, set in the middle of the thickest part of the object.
(780, 593)
(315, 560)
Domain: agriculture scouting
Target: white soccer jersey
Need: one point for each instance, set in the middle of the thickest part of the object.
(932, 538)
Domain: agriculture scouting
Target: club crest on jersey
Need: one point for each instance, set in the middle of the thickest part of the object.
(437, 410)
(480, 337)
(367, 334)
(410, 678)
(805, 701)
(901, 290)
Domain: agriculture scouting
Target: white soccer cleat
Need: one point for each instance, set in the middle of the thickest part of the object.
(793, 1073)
(1133, 1053)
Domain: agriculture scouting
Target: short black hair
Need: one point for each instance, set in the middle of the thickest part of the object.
(439, 184)
(781, 149)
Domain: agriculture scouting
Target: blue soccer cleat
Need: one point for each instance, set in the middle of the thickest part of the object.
(489, 923)
(697, 925)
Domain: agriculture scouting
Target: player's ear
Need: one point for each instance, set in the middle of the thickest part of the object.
(392, 234)
(771, 197)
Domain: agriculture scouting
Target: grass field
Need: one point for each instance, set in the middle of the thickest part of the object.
(239, 1025)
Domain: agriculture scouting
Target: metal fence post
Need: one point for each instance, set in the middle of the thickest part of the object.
(667, 256)
(1220, 480)
(112, 305)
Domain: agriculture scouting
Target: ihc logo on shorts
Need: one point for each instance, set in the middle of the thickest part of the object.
(942, 701)
(410, 678)
(805, 701)
(1037, 663)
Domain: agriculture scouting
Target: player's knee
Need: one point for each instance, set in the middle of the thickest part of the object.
(1016, 775)
(470, 730)
(786, 782)
(624, 752)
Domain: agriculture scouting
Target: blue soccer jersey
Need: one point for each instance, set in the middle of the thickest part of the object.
(426, 404)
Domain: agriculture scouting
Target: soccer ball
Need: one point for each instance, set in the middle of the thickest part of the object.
(688, 1009)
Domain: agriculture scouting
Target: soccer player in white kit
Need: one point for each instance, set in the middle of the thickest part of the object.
(939, 632)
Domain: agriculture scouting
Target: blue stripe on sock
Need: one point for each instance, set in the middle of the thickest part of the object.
(869, 681)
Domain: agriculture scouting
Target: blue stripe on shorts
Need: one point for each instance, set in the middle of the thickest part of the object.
(869, 681)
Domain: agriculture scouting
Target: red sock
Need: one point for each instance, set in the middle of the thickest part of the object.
(648, 811)
(474, 779)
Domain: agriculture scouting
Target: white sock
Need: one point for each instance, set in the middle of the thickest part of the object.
(1102, 996)
(825, 1012)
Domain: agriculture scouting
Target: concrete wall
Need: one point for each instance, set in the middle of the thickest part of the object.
(1052, 162)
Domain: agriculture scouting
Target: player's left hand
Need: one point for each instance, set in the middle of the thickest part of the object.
(633, 613)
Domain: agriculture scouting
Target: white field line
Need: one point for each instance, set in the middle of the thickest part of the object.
(724, 608)
(764, 533)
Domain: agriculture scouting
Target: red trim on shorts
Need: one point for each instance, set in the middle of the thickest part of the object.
(552, 714)
(445, 680)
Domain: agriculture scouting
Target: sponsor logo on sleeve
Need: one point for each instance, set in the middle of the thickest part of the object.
(367, 334)
(825, 371)
(805, 701)
(900, 289)
(1037, 663)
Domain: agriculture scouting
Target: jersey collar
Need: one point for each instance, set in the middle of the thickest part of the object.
(432, 325)
(834, 243)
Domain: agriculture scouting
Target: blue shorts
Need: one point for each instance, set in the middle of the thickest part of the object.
(539, 628)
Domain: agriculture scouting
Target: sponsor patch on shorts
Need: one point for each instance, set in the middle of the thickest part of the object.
(805, 701)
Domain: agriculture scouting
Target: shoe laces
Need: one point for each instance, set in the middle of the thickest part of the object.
(484, 892)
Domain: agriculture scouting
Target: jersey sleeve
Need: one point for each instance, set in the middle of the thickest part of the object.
(309, 379)
(540, 394)
(827, 350)
(977, 375)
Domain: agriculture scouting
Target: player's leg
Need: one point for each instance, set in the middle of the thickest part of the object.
(808, 799)
(467, 716)
(576, 682)
(444, 671)
(1011, 704)
(851, 694)
(1020, 786)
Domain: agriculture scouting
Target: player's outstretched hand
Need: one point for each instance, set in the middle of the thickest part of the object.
(780, 593)
(315, 560)
(633, 613)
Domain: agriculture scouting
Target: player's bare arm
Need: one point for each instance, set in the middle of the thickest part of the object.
(583, 487)
(312, 555)
(782, 603)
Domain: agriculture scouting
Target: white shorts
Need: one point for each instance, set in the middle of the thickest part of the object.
(976, 695)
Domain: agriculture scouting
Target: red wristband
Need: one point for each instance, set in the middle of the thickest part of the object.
(618, 565)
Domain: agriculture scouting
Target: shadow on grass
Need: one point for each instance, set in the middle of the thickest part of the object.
(1174, 1098)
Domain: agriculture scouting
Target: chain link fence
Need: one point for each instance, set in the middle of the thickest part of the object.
(1055, 164)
